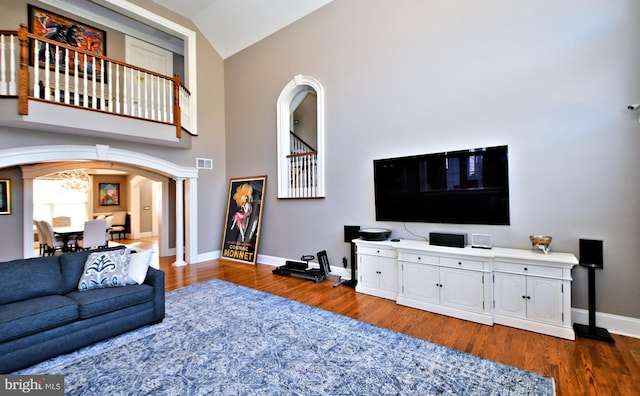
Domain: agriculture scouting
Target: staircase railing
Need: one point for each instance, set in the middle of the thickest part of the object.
(297, 145)
(302, 164)
(303, 171)
(71, 76)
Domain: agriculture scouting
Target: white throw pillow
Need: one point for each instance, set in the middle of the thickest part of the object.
(105, 269)
(138, 266)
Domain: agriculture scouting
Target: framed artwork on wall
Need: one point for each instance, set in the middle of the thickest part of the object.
(244, 217)
(63, 30)
(5, 197)
(109, 194)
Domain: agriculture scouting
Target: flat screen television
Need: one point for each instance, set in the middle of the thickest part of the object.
(458, 187)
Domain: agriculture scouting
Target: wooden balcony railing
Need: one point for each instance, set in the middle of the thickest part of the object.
(71, 76)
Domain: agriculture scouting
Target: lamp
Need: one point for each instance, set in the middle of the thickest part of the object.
(75, 180)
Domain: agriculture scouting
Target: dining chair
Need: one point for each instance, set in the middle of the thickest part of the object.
(94, 235)
(53, 244)
(61, 221)
(109, 220)
(41, 240)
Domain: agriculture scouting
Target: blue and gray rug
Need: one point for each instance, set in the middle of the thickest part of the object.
(223, 339)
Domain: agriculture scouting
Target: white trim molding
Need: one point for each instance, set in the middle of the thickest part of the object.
(616, 324)
(298, 84)
(43, 155)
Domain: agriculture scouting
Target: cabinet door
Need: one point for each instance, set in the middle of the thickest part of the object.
(419, 282)
(368, 271)
(462, 289)
(510, 292)
(388, 268)
(545, 302)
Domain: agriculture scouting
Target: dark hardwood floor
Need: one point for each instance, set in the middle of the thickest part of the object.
(581, 367)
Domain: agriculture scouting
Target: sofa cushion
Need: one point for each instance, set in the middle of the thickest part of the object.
(27, 317)
(72, 265)
(138, 267)
(105, 269)
(100, 301)
(29, 278)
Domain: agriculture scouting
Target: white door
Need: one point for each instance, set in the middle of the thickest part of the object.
(419, 282)
(368, 269)
(510, 293)
(462, 289)
(545, 302)
(388, 274)
(147, 95)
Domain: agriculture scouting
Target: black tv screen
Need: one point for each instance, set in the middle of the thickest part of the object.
(459, 187)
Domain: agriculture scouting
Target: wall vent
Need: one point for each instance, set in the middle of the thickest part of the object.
(204, 163)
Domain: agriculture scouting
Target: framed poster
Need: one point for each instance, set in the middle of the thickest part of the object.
(5, 197)
(109, 194)
(244, 217)
(66, 31)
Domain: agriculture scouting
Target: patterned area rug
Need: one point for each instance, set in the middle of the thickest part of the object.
(220, 338)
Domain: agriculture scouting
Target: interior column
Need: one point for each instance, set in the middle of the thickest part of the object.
(179, 223)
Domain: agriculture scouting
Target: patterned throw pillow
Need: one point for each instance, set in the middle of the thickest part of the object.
(105, 269)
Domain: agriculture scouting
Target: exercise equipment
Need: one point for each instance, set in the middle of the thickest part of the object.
(301, 269)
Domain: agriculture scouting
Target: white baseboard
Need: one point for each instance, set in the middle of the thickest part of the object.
(276, 262)
(616, 324)
(207, 256)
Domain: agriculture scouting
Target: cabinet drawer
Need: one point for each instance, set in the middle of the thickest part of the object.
(527, 269)
(372, 251)
(419, 258)
(462, 263)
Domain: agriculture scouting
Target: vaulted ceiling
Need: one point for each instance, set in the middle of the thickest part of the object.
(233, 25)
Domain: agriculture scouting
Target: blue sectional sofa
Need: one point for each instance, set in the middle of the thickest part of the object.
(44, 314)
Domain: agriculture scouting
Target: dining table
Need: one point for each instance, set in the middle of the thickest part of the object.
(67, 233)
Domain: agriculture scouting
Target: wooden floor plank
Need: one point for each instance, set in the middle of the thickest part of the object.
(581, 367)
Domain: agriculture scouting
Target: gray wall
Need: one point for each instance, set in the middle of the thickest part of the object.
(306, 120)
(550, 79)
(210, 143)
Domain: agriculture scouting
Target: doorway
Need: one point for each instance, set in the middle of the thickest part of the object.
(102, 156)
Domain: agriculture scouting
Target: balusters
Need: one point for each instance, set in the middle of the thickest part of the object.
(170, 98)
(303, 177)
(65, 75)
(13, 90)
(85, 81)
(3, 62)
(47, 60)
(117, 84)
(56, 78)
(90, 69)
(76, 91)
(139, 109)
(8, 85)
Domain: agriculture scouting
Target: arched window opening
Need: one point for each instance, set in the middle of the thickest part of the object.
(301, 139)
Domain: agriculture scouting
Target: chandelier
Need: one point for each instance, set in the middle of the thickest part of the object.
(75, 180)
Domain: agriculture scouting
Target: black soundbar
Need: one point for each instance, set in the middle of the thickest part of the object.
(451, 240)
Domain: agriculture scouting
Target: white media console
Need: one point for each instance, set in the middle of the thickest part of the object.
(521, 288)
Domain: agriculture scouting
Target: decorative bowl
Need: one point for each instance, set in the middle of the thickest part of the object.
(540, 242)
(374, 234)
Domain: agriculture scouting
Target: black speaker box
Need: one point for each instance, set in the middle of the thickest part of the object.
(351, 232)
(451, 240)
(591, 253)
